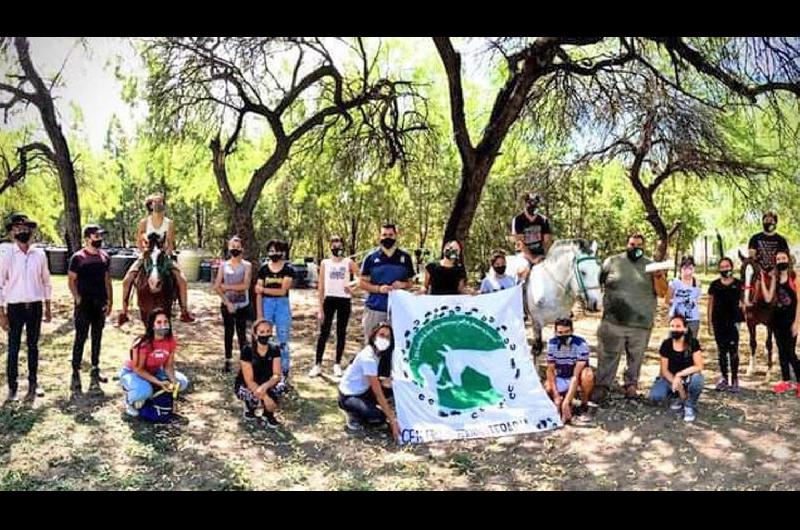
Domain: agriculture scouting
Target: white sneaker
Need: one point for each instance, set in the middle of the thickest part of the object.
(130, 410)
(689, 414)
(315, 371)
(337, 370)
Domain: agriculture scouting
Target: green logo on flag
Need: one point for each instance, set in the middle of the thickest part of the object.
(456, 355)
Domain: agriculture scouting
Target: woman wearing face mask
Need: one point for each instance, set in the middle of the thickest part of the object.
(724, 315)
(335, 291)
(497, 279)
(681, 366)
(447, 276)
(152, 363)
(272, 300)
(233, 286)
(361, 393)
(259, 374)
(683, 297)
(782, 293)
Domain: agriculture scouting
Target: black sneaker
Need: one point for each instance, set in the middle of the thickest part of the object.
(12, 395)
(248, 413)
(270, 421)
(97, 376)
(226, 369)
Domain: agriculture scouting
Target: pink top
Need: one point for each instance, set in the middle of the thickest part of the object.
(24, 276)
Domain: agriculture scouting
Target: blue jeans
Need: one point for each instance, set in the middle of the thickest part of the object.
(139, 389)
(662, 389)
(363, 408)
(278, 312)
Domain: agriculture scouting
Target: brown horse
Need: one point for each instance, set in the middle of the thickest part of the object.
(756, 310)
(155, 285)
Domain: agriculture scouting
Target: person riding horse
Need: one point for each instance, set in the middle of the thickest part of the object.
(532, 234)
(161, 225)
(764, 245)
(154, 280)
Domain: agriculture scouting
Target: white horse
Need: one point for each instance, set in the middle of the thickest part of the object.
(570, 270)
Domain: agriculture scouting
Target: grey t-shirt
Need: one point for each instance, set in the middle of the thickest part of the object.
(629, 298)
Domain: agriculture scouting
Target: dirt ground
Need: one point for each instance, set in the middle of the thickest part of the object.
(84, 441)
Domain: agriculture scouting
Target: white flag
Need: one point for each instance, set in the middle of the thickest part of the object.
(461, 368)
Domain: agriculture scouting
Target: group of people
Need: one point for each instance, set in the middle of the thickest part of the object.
(630, 302)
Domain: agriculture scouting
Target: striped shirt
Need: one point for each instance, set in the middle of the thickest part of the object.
(565, 357)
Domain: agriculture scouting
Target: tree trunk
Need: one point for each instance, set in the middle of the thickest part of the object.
(241, 224)
(473, 179)
(60, 155)
(198, 209)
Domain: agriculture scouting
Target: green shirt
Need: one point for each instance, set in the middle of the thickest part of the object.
(629, 298)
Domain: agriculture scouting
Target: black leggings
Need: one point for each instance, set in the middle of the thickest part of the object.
(727, 337)
(236, 320)
(28, 316)
(341, 308)
(782, 331)
(89, 314)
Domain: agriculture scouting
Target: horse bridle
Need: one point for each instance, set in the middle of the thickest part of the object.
(579, 277)
(584, 291)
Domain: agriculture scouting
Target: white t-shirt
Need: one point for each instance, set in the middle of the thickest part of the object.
(337, 275)
(355, 379)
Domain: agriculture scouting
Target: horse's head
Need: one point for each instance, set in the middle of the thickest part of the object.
(154, 280)
(586, 275)
(750, 271)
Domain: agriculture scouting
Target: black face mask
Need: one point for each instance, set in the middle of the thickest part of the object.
(769, 227)
(235, 252)
(23, 237)
(726, 274)
(634, 254)
(97, 243)
(451, 254)
(782, 266)
(563, 339)
(531, 208)
(500, 270)
(264, 339)
(677, 334)
(275, 256)
(388, 242)
(338, 252)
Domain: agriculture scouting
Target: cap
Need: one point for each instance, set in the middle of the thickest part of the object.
(93, 229)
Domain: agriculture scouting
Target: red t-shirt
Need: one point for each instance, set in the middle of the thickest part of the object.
(156, 354)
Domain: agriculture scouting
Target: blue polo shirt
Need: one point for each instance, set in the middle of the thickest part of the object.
(384, 270)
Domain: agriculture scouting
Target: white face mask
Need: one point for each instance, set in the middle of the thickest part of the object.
(382, 343)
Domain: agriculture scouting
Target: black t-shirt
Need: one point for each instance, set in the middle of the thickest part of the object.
(533, 232)
(91, 270)
(445, 280)
(273, 280)
(766, 246)
(726, 301)
(678, 360)
(785, 303)
(262, 366)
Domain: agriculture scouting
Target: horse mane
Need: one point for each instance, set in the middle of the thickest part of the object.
(563, 245)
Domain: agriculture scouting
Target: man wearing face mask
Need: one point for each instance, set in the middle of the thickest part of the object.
(629, 307)
(90, 285)
(497, 279)
(531, 231)
(382, 271)
(24, 283)
(568, 371)
(764, 245)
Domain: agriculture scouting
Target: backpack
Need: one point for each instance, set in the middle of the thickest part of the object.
(158, 409)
